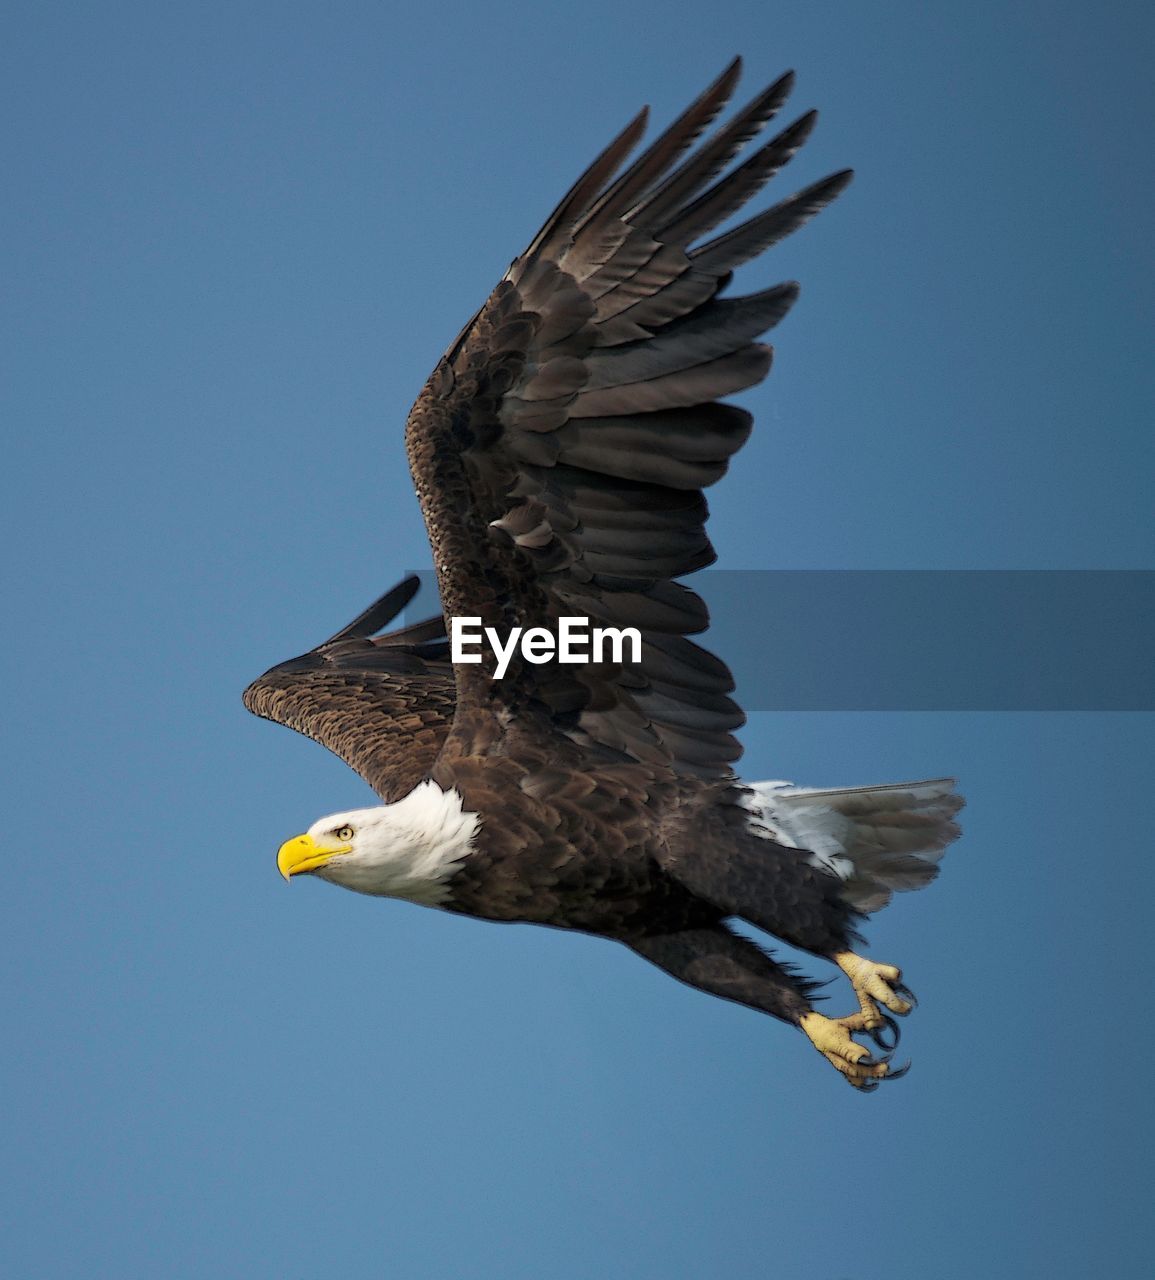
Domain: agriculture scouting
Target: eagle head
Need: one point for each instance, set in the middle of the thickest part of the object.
(409, 849)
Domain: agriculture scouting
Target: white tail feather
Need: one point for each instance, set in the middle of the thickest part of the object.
(878, 840)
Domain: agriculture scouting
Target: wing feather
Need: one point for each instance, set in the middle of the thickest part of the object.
(382, 703)
(561, 447)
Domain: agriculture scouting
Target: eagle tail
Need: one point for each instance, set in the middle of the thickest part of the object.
(877, 840)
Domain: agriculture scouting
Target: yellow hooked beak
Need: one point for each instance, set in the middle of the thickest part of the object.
(303, 853)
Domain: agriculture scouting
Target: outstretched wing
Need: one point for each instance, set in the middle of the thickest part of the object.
(383, 703)
(561, 446)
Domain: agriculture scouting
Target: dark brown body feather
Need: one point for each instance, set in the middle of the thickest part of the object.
(559, 452)
(606, 846)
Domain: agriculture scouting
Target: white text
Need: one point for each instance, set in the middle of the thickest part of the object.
(575, 642)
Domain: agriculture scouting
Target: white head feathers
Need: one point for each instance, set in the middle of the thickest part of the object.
(409, 849)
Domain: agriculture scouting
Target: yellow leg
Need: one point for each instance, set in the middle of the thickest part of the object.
(874, 982)
(832, 1038)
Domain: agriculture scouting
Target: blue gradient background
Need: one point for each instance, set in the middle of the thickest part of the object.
(236, 238)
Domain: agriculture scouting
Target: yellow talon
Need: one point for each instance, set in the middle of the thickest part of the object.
(871, 982)
(832, 1038)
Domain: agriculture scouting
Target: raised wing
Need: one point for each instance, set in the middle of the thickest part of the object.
(561, 447)
(383, 703)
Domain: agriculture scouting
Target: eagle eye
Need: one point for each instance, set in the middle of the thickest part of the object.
(344, 833)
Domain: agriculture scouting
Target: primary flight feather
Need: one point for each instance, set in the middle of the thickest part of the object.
(559, 452)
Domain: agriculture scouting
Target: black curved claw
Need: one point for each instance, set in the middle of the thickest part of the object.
(902, 990)
(887, 1036)
(897, 1075)
(881, 1060)
(865, 1086)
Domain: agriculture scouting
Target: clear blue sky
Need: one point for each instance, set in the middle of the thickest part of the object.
(237, 237)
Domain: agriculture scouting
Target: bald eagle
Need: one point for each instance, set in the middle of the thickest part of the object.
(559, 452)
